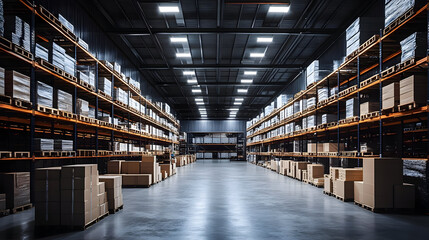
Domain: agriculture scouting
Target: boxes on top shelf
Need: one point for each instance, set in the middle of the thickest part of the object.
(368, 107)
(82, 43)
(282, 100)
(65, 101)
(395, 8)
(117, 67)
(412, 90)
(82, 107)
(18, 31)
(105, 85)
(66, 23)
(360, 31)
(42, 52)
(316, 71)
(414, 46)
(17, 85)
(44, 94)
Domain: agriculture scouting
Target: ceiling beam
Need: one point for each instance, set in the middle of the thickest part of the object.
(221, 66)
(190, 31)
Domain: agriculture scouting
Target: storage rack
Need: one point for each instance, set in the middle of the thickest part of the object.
(212, 143)
(23, 121)
(364, 72)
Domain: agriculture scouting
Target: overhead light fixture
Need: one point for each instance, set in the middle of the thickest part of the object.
(238, 103)
(183, 55)
(199, 99)
(239, 99)
(257, 55)
(200, 103)
(264, 39)
(168, 9)
(279, 9)
(246, 80)
(178, 39)
(196, 90)
(240, 90)
(250, 73)
(233, 109)
(189, 73)
(192, 81)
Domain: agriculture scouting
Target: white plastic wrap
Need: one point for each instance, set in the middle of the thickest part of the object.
(17, 85)
(44, 94)
(58, 57)
(395, 8)
(69, 64)
(322, 93)
(43, 144)
(2, 76)
(82, 107)
(65, 101)
(42, 52)
(66, 23)
(83, 43)
(63, 145)
(105, 85)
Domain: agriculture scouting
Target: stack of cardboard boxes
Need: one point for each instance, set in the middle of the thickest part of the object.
(390, 98)
(315, 174)
(16, 186)
(343, 182)
(113, 188)
(412, 90)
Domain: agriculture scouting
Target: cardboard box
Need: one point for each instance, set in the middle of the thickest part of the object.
(151, 159)
(150, 168)
(332, 147)
(314, 147)
(16, 186)
(358, 191)
(137, 180)
(328, 185)
(350, 174)
(390, 95)
(114, 166)
(113, 185)
(344, 189)
(404, 196)
(315, 171)
(369, 107)
(17, 85)
(167, 168)
(379, 178)
(413, 89)
(334, 172)
(130, 167)
(111, 181)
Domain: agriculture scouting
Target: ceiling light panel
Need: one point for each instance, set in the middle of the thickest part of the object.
(279, 9)
(257, 55)
(183, 55)
(242, 90)
(168, 9)
(246, 80)
(196, 90)
(189, 73)
(192, 81)
(264, 39)
(178, 39)
(250, 73)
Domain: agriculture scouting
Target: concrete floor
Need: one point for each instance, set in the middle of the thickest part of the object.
(232, 200)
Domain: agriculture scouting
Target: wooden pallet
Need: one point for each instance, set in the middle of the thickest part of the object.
(47, 153)
(343, 199)
(368, 43)
(136, 186)
(398, 21)
(366, 154)
(352, 55)
(21, 208)
(68, 154)
(5, 99)
(5, 43)
(327, 193)
(47, 110)
(349, 153)
(69, 76)
(369, 80)
(405, 64)
(85, 152)
(349, 120)
(387, 111)
(104, 153)
(83, 118)
(347, 91)
(22, 103)
(105, 95)
(332, 98)
(315, 185)
(408, 106)
(113, 211)
(388, 71)
(21, 154)
(323, 102)
(22, 52)
(49, 16)
(93, 121)
(370, 115)
(67, 114)
(322, 126)
(5, 154)
(86, 85)
(121, 104)
(119, 152)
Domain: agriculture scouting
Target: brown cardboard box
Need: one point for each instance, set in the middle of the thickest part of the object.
(151, 159)
(130, 167)
(101, 187)
(167, 168)
(113, 186)
(358, 191)
(344, 189)
(17, 85)
(413, 89)
(350, 174)
(299, 174)
(47, 213)
(379, 178)
(369, 107)
(404, 196)
(150, 168)
(114, 166)
(137, 180)
(328, 185)
(111, 181)
(315, 171)
(301, 165)
(334, 172)
(332, 147)
(390, 95)
(16, 186)
(314, 147)
(304, 175)
(319, 181)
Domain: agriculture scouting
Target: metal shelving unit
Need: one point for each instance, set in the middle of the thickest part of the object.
(217, 145)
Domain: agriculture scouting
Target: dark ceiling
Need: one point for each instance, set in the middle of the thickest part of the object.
(220, 37)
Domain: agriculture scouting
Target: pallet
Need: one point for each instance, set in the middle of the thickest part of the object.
(408, 106)
(85, 152)
(136, 186)
(83, 118)
(322, 126)
(47, 110)
(5, 43)
(49, 16)
(327, 193)
(311, 85)
(370, 115)
(119, 152)
(366, 154)
(47, 154)
(388, 71)
(68, 154)
(105, 95)
(315, 185)
(5, 212)
(352, 55)
(389, 110)
(332, 98)
(21, 154)
(5, 154)
(104, 153)
(323, 102)
(103, 216)
(22, 52)
(67, 114)
(116, 210)
(343, 199)
(398, 21)
(349, 153)
(405, 64)
(5, 99)
(86, 85)
(368, 43)
(369, 80)
(69, 76)
(22, 103)
(121, 103)
(93, 121)
(21, 208)
(347, 91)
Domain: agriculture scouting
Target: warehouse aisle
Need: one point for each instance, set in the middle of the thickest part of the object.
(232, 200)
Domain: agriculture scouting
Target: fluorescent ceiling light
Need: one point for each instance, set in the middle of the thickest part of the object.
(189, 73)
(200, 103)
(199, 99)
(233, 109)
(239, 99)
(242, 90)
(183, 55)
(278, 9)
(257, 55)
(202, 109)
(238, 103)
(192, 81)
(250, 72)
(196, 90)
(168, 9)
(264, 39)
(178, 39)
(246, 80)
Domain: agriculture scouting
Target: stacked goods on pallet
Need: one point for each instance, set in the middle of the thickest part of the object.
(327, 118)
(150, 166)
(359, 32)
(117, 67)
(17, 85)
(343, 186)
(383, 184)
(44, 94)
(415, 173)
(16, 186)
(282, 100)
(274, 165)
(136, 179)
(311, 121)
(135, 83)
(121, 96)
(299, 167)
(412, 90)
(351, 108)
(63, 145)
(18, 31)
(114, 167)
(79, 195)
(315, 174)
(65, 101)
(2, 202)
(103, 203)
(358, 192)
(328, 186)
(42, 52)
(414, 46)
(2, 77)
(311, 102)
(166, 168)
(390, 98)
(86, 76)
(58, 56)
(105, 85)
(314, 147)
(48, 196)
(69, 64)
(66, 23)
(395, 8)
(369, 107)
(43, 144)
(313, 73)
(113, 186)
(322, 93)
(82, 107)
(333, 147)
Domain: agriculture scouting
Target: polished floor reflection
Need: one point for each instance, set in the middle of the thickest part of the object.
(232, 200)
